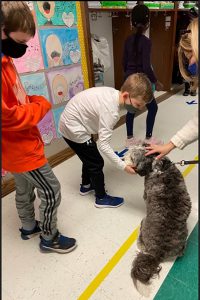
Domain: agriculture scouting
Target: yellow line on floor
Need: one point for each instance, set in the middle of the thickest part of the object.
(94, 284)
(189, 169)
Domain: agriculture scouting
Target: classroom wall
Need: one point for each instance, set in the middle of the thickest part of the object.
(103, 27)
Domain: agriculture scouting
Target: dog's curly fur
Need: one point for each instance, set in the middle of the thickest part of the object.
(163, 231)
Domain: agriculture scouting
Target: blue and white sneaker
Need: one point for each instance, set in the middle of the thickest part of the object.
(59, 244)
(108, 201)
(86, 190)
(28, 234)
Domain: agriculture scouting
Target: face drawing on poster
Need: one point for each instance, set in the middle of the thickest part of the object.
(65, 83)
(54, 51)
(60, 89)
(60, 46)
(47, 9)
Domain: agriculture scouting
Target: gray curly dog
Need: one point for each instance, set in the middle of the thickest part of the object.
(163, 232)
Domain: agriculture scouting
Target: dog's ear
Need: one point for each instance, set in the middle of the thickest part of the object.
(161, 164)
(166, 163)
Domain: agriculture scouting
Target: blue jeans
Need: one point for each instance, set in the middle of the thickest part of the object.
(150, 120)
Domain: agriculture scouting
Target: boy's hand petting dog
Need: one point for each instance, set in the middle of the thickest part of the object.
(130, 169)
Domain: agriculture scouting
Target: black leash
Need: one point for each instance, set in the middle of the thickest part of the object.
(187, 162)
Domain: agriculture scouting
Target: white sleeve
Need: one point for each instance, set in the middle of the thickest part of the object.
(106, 124)
(187, 134)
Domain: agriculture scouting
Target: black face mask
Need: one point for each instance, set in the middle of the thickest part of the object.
(13, 49)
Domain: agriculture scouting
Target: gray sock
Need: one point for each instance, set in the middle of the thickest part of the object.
(29, 225)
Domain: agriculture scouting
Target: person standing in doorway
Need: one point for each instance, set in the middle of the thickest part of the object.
(136, 58)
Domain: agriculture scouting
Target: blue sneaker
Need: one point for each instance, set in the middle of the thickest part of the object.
(28, 234)
(109, 201)
(59, 244)
(86, 190)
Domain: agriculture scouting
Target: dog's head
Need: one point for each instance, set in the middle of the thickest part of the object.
(146, 164)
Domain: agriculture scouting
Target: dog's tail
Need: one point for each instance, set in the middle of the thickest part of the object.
(145, 267)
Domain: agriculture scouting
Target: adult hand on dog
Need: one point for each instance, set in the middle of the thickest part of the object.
(162, 149)
(130, 169)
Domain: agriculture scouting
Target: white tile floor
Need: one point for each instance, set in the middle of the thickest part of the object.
(28, 274)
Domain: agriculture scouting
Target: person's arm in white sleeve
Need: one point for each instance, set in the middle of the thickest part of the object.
(106, 125)
(186, 135)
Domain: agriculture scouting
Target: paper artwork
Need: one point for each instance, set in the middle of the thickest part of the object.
(65, 83)
(60, 46)
(51, 13)
(31, 61)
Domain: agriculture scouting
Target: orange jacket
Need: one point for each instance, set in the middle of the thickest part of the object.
(22, 145)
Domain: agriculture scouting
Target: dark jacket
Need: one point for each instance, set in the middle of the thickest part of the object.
(143, 62)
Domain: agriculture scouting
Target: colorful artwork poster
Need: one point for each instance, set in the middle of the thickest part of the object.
(57, 113)
(47, 128)
(65, 83)
(31, 61)
(35, 84)
(60, 46)
(51, 13)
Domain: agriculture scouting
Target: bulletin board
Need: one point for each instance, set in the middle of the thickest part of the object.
(55, 66)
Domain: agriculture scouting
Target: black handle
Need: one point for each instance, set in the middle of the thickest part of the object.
(189, 162)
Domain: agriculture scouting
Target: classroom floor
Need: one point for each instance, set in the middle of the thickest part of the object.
(99, 268)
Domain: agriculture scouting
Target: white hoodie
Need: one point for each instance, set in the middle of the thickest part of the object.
(187, 134)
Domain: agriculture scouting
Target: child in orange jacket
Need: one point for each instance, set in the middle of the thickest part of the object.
(22, 145)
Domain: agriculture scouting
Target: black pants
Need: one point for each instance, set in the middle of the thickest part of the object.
(152, 108)
(92, 169)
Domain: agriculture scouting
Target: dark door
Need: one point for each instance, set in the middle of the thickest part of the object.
(121, 30)
(162, 35)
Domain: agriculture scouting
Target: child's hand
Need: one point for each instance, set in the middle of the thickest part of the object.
(130, 169)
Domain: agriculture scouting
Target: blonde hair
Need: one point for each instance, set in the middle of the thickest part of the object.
(189, 45)
(194, 37)
(17, 17)
(184, 49)
(138, 86)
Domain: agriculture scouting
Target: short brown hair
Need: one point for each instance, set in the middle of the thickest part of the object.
(17, 17)
(138, 85)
